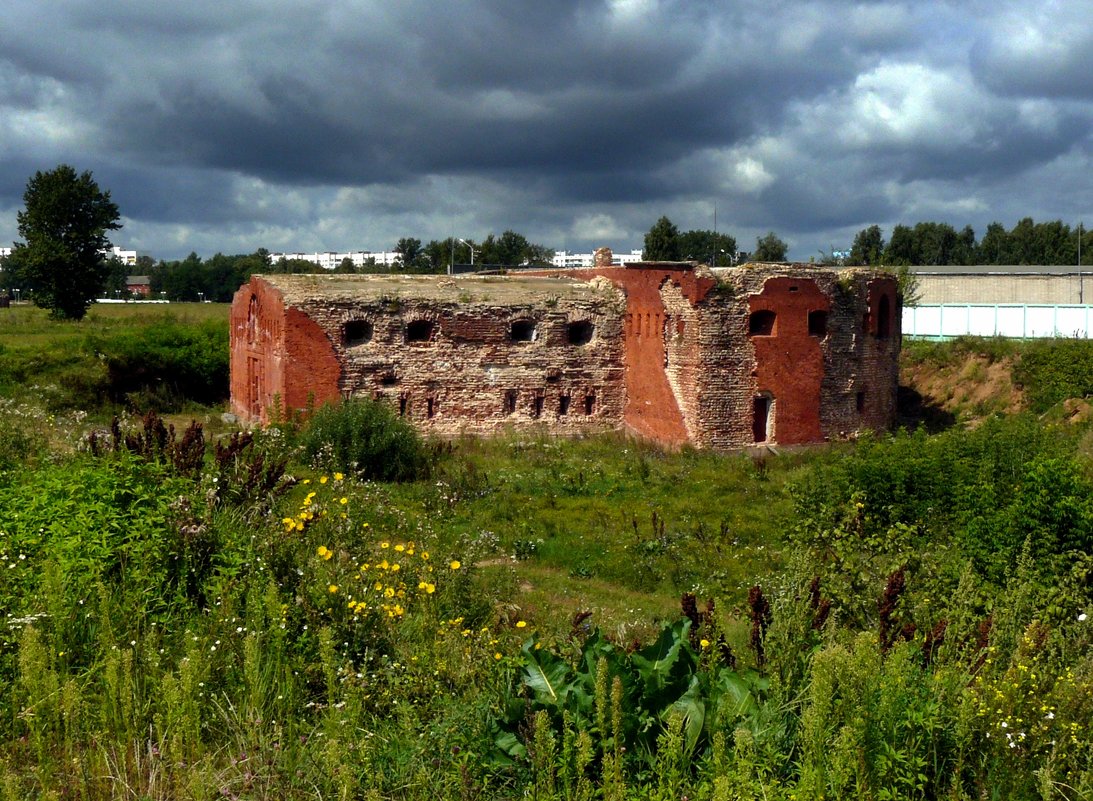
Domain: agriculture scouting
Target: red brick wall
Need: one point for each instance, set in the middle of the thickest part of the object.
(278, 355)
(789, 362)
(672, 357)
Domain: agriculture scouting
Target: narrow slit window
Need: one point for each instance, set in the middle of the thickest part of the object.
(563, 405)
(884, 318)
(510, 401)
(760, 425)
(859, 402)
(403, 406)
(537, 406)
(430, 407)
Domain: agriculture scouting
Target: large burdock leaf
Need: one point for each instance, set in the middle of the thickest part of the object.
(547, 675)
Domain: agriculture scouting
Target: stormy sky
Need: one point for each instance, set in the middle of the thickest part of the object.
(346, 124)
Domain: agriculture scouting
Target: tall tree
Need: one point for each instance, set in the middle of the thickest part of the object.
(868, 247)
(409, 249)
(662, 242)
(770, 248)
(65, 223)
(709, 247)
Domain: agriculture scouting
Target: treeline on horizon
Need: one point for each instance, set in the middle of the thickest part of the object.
(218, 277)
(932, 244)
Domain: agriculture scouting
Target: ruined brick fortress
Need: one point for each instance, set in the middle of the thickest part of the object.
(674, 352)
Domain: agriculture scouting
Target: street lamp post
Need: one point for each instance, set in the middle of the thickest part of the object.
(471, 248)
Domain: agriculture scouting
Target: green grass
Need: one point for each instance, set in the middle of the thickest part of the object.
(164, 636)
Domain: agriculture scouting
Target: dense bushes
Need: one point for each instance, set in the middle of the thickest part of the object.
(1052, 370)
(164, 364)
(367, 438)
(984, 491)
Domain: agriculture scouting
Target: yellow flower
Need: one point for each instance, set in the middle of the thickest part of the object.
(521, 624)
(333, 588)
(323, 480)
(343, 501)
(389, 592)
(455, 564)
(400, 547)
(704, 643)
(322, 551)
(338, 476)
(306, 481)
(497, 656)
(430, 589)
(385, 545)
(395, 568)
(378, 586)
(300, 526)
(383, 565)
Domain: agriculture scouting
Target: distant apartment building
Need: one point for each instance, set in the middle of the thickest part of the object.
(330, 260)
(564, 258)
(126, 257)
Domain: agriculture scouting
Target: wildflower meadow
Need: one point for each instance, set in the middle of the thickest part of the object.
(193, 611)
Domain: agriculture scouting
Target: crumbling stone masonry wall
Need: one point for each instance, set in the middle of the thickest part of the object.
(469, 354)
(677, 353)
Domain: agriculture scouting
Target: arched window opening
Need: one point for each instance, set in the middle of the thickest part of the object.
(356, 332)
(884, 318)
(762, 422)
(522, 331)
(761, 323)
(419, 331)
(580, 332)
(817, 323)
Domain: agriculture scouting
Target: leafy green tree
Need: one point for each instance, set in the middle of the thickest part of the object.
(65, 223)
(901, 248)
(345, 266)
(662, 242)
(770, 248)
(994, 246)
(409, 250)
(710, 247)
(868, 247)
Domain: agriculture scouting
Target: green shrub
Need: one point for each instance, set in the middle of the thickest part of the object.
(367, 438)
(161, 365)
(1052, 370)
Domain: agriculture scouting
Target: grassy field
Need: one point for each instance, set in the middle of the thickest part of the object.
(906, 616)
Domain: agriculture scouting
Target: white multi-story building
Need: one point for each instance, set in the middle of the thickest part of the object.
(330, 260)
(563, 258)
(126, 257)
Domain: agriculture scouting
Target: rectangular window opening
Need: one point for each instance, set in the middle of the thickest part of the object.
(537, 406)
(563, 405)
(510, 401)
(430, 407)
(589, 404)
(403, 406)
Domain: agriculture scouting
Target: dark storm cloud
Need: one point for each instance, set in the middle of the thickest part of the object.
(346, 123)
